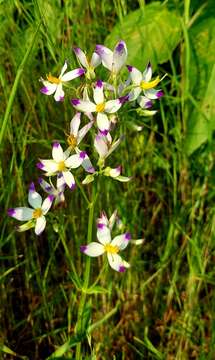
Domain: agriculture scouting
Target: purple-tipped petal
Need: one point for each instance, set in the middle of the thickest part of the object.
(44, 90)
(122, 269)
(128, 236)
(75, 102)
(83, 248)
(51, 197)
(99, 83)
(40, 165)
(82, 154)
(148, 104)
(123, 99)
(56, 144)
(73, 187)
(99, 49)
(103, 132)
(81, 71)
(160, 93)
(130, 68)
(77, 50)
(100, 225)
(48, 188)
(32, 187)
(40, 180)
(120, 47)
(11, 211)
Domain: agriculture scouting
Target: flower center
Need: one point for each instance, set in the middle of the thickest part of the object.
(100, 107)
(37, 213)
(72, 141)
(112, 249)
(149, 85)
(53, 79)
(61, 166)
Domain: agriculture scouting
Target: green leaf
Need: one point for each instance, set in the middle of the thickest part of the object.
(147, 34)
(96, 290)
(61, 350)
(5, 349)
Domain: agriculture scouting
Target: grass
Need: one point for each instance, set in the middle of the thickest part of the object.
(163, 307)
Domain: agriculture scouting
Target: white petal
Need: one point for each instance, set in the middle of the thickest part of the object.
(147, 74)
(50, 166)
(82, 105)
(47, 203)
(81, 56)
(101, 146)
(114, 172)
(103, 233)
(112, 106)
(60, 183)
(21, 213)
(153, 94)
(135, 74)
(116, 262)
(93, 249)
(74, 124)
(46, 186)
(119, 56)
(57, 152)
(84, 131)
(63, 69)
(48, 88)
(95, 60)
(134, 93)
(34, 198)
(121, 241)
(98, 93)
(73, 74)
(69, 179)
(106, 56)
(103, 219)
(40, 225)
(144, 102)
(86, 163)
(102, 122)
(74, 161)
(112, 219)
(59, 95)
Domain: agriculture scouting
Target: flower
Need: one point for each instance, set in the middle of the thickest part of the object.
(88, 65)
(106, 245)
(36, 216)
(100, 106)
(142, 82)
(58, 191)
(113, 60)
(54, 85)
(62, 163)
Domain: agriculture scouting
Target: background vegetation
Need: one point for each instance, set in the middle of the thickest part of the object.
(164, 306)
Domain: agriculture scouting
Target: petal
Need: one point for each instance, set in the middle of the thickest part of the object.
(147, 74)
(81, 56)
(144, 102)
(112, 106)
(113, 219)
(93, 249)
(74, 161)
(69, 179)
(84, 131)
(63, 69)
(47, 203)
(46, 186)
(50, 166)
(59, 95)
(102, 122)
(121, 240)
(74, 124)
(103, 234)
(21, 213)
(82, 105)
(154, 94)
(101, 147)
(57, 152)
(135, 74)
(40, 225)
(117, 263)
(119, 56)
(114, 172)
(106, 56)
(60, 182)
(95, 60)
(98, 93)
(34, 198)
(103, 219)
(114, 146)
(49, 88)
(133, 95)
(86, 163)
(73, 74)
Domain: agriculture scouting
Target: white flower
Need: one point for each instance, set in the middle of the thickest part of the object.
(35, 216)
(101, 107)
(62, 163)
(88, 65)
(113, 60)
(108, 246)
(142, 82)
(58, 191)
(54, 85)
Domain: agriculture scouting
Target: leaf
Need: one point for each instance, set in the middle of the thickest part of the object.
(96, 290)
(61, 350)
(147, 34)
(7, 350)
(202, 122)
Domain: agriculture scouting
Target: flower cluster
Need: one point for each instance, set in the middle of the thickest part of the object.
(99, 102)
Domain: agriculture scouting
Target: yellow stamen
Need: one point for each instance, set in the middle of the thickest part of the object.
(61, 166)
(72, 141)
(53, 79)
(149, 85)
(112, 249)
(37, 213)
(100, 107)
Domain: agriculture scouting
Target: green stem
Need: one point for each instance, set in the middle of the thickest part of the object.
(79, 325)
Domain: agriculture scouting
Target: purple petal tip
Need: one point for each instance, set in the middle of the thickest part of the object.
(75, 102)
(160, 94)
(148, 104)
(129, 67)
(127, 236)
(40, 165)
(44, 90)
(83, 248)
(32, 187)
(40, 180)
(122, 269)
(120, 46)
(99, 83)
(55, 144)
(123, 99)
(76, 50)
(103, 132)
(73, 187)
(82, 154)
(51, 197)
(100, 226)
(11, 212)
(81, 71)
